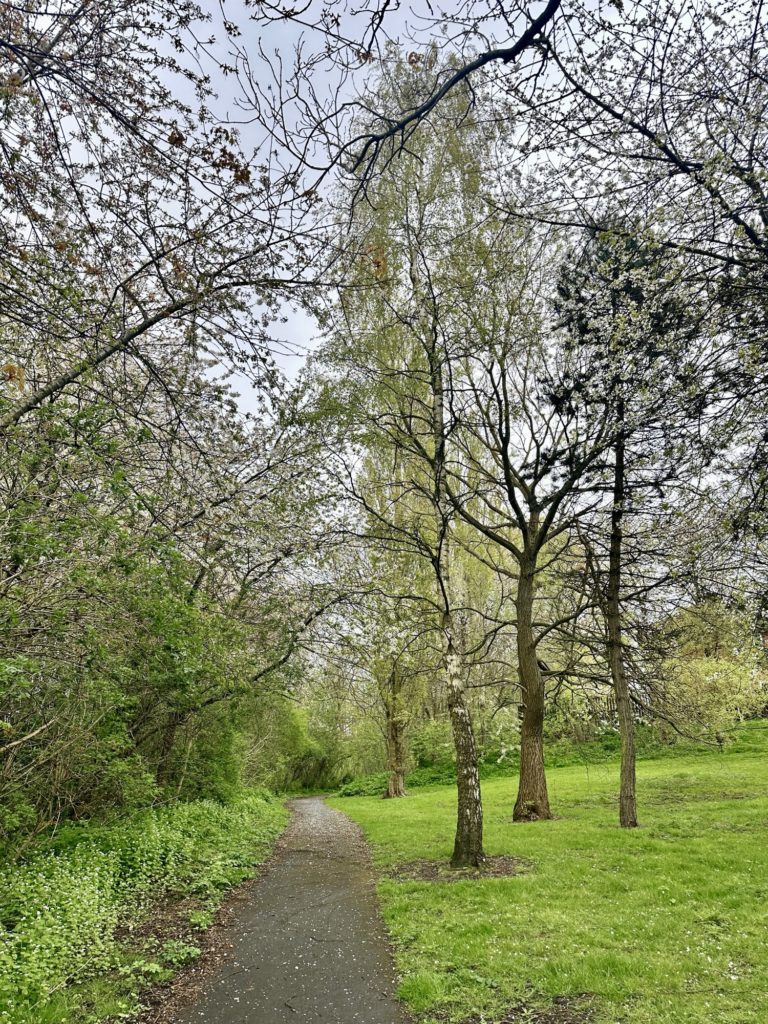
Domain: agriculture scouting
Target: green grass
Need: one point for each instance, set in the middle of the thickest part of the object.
(666, 924)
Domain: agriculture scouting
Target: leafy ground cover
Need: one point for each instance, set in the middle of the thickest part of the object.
(666, 924)
(74, 945)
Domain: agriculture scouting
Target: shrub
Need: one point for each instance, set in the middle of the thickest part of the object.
(366, 785)
(432, 744)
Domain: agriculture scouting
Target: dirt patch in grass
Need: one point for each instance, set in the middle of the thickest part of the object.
(168, 918)
(563, 1010)
(441, 870)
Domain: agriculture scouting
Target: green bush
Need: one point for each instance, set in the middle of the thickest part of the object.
(366, 785)
(432, 775)
(61, 908)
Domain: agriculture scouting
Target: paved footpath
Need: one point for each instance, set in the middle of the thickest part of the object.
(309, 947)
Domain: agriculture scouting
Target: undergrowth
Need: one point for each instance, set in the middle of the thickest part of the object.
(559, 753)
(64, 908)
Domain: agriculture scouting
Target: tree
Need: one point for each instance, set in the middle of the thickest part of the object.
(521, 473)
(130, 213)
(399, 406)
(642, 332)
(651, 124)
(153, 582)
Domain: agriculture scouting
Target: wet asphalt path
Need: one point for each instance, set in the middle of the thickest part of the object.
(309, 947)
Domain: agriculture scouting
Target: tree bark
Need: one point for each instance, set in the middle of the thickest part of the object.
(167, 744)
(627, 789)
(468, 843)
(396, 781)
(532, 797)
(395, 738)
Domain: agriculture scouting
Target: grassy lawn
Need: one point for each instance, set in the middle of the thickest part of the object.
(666, 924)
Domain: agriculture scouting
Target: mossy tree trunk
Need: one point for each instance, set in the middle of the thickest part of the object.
(395, 736)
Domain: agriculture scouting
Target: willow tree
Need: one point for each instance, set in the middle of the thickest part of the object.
(388, 348)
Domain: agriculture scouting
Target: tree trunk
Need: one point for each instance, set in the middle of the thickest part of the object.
(468, 844)
(167, 742)
(395, 746)
(627, 789)
(532, 797)
(396, 783)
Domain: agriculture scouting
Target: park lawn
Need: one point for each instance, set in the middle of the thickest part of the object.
(665, 924)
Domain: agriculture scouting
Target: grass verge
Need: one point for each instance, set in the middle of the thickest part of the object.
(666, 924)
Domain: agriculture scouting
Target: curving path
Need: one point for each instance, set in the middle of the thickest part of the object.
(309, 946)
